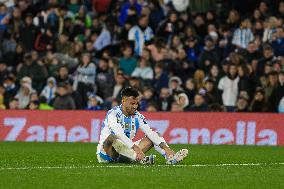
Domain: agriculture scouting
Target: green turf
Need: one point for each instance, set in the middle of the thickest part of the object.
(84, 173)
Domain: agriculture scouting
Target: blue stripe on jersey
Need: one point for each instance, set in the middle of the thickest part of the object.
(127, 121)
(136, 124)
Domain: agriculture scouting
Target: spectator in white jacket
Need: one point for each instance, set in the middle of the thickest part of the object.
(229, 85)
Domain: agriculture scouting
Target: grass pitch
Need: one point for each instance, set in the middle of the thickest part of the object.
(74, 165)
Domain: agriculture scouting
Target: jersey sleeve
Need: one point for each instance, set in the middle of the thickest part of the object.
(152, 135)
(116, 128)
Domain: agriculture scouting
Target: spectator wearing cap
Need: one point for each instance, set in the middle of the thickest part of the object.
(63, 100)
(95, 102)
(243, 35)
(229, 87)
(209, 56)
(199, 104)
(278, 43)
(140, 34)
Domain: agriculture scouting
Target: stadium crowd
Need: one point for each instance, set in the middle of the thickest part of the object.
(79, 54)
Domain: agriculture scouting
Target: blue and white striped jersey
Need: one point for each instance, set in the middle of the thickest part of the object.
(125, 128)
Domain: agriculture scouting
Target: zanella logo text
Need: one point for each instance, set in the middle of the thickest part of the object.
(59, 133)
(243, 133)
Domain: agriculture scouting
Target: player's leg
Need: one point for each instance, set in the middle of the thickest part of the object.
(146, 144)
(117, 150)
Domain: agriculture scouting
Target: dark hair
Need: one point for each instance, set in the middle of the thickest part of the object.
(129, 91)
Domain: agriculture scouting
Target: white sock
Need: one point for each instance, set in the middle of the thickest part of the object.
(122, 149)
(160, 150)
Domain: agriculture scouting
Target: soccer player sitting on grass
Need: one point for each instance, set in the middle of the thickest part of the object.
(120, 127)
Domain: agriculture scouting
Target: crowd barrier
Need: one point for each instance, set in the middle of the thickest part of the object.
(176, 128)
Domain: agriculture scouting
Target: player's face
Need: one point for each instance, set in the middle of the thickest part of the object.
(130, 104)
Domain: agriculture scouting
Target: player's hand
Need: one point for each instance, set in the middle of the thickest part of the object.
(139, 154)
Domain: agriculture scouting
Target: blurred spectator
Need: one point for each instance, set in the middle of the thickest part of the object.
(278, 43)
(24, 93)
(229, 87)
(143, 70)
(209, 56)
(241, 105)
(243, 35)
(36, 72)
(258, 103)
(104, 79)
(85, 77)
(95, 102)
(14, 104)
(199, 104)
(148, 98)
(128, 62)
(49, 90)
(165, 100)
(63, 100)
(277, 93)
(140, 34)
(43, 104)
(2, 93)
(34, 105)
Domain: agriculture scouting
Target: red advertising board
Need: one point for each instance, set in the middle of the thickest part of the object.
(185, 128)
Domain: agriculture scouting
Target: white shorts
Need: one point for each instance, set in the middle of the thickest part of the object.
(103, 157)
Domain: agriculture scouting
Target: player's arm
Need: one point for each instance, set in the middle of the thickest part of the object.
(154, 137)
(119, 133)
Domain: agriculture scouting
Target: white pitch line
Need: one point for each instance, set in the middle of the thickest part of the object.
(141, 166)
